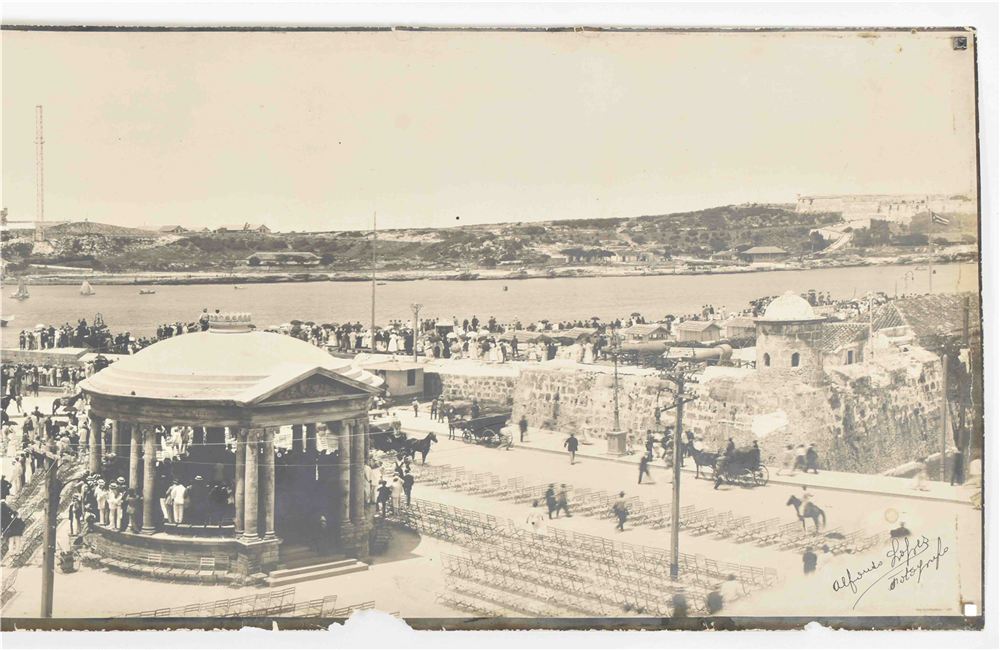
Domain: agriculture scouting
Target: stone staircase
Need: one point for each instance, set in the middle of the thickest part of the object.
(302, 564)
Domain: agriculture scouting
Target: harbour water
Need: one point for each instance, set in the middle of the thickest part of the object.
(556, 299)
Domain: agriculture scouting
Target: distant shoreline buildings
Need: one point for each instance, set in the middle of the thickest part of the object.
(885, 207)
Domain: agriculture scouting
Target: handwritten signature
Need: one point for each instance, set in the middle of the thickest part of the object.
(901, 569)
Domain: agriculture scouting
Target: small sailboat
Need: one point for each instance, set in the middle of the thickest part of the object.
(86, 289)
(22, 291)
(146, 292)
(4, 321)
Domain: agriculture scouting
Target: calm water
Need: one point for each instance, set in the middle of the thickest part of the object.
(556, 299)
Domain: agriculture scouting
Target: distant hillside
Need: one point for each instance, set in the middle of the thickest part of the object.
(89, 228)
(689, 234)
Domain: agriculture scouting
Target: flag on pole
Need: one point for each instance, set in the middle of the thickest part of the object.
(936, 218)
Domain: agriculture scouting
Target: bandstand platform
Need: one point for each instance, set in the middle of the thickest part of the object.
(239, 391)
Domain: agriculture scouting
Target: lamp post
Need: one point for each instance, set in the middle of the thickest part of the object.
(616, 439)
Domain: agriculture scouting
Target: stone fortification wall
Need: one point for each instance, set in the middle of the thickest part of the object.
(865, 418)
(583, 402)
(492, 386)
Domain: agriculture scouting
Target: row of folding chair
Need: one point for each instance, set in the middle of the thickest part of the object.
(273, 603)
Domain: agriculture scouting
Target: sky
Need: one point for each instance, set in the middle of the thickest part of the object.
(318, 131)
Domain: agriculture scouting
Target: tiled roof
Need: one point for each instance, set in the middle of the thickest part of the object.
(932, 314)
(837, 335)
(644, 330)
(764, 249)
(697, 325)
(740, 321)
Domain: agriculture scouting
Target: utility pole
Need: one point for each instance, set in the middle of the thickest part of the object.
(944, 415)
(374, 237)
(675, 514)
(416, 327)
(52, 491)
(39, 176)
(678, 380)
(930, 244)
(616, 348)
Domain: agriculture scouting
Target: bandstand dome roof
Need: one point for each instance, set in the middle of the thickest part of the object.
(230, 362)
(789, 307)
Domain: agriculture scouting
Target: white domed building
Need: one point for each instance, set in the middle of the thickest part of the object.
(789, 337)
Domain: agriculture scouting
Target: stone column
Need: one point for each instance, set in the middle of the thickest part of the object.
(115, 438)
(358, 471)
(311, 437)
(267, 481)
(241, 474)
(297, 438)
(250, 490)
(96, 426)
(341, 509)
(135, 453)
(124, 438)
(150, 500)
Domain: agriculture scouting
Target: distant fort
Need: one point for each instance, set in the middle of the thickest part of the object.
(887, 207)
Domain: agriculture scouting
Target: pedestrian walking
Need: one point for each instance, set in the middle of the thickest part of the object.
(550, 500)
(800, 458)
(523, 425)
(920, 476)
(416, 408)
(958, 468)
(644, 467)
(562, 501)
(808, 561)
(620, 511)
(812, 459)
(408, 481)
(787, 461)
(434, 409)
(535, 519)
(572, 444)
(384, 494)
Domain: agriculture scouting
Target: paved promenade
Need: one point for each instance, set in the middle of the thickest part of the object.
(548, 441)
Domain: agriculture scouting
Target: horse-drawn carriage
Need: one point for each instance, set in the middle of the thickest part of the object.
(384, 439)
(486, 430)
(742, 466)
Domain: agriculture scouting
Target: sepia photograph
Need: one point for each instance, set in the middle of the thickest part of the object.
(570, 329)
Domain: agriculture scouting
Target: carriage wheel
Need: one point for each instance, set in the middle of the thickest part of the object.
(745, 477)
(466, 435)
(489, 438)
(760, 476)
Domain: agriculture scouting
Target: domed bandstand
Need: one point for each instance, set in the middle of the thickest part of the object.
(239, 391)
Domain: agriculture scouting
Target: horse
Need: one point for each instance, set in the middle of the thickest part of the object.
(387, 441)
(65, 402)
(702, 459)
(423, 446)
(810, 512)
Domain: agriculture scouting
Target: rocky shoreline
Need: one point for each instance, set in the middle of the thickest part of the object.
(178, 278)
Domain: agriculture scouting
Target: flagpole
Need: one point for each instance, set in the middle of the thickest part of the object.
(930, 244)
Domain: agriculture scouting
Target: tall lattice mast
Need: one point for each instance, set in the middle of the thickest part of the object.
(39, 174)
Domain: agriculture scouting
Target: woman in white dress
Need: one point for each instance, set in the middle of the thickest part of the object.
(393, 343)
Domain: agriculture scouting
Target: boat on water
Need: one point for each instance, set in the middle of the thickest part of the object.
(4, 321)
(22, 291)
(145, 292)
(380, 283)
(86, 289)
(238, 287)
(466, 276)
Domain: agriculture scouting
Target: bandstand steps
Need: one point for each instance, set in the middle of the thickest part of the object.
(307, 560)
(283, 577)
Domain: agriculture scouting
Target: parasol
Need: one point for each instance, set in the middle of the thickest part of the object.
(298, 322)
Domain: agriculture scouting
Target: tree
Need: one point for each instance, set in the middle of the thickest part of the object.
(327, 259)
(253, 261)
(817, 242)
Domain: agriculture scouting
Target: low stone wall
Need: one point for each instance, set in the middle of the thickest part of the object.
(491, 387)
(584, 402)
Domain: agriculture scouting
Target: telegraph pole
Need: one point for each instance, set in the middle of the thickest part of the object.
(39, 176)
(416, 327)
(944, 415)
(675, 515)
(52, 491)
(374, 237)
